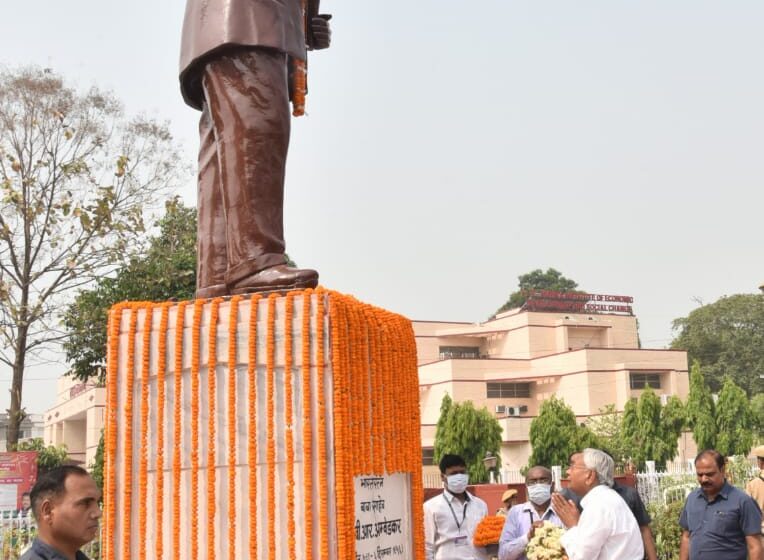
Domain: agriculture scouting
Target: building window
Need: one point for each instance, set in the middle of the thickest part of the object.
(428, 455)
(463, 352)
(644, 380)
(508, 390)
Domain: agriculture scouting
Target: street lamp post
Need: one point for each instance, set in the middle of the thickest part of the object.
(490, 463)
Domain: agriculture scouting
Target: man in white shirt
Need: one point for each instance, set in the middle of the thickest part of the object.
(450, 518)
(524, 519)
(606, 529)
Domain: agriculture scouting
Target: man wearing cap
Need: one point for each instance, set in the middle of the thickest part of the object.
(508, 499)
(523, 519)
(755, 487)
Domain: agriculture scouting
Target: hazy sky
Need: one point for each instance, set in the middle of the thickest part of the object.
(451, 147)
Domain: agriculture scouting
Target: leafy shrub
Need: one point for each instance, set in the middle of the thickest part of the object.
(666, 529)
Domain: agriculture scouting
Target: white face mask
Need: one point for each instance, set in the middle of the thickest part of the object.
(539, 493)
(457, 483)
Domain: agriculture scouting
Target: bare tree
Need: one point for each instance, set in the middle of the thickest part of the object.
(76, 177)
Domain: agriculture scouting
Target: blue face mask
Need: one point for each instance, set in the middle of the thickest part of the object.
(457, 483)
(539, 493)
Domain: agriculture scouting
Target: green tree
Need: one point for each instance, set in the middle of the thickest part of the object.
(734, 420)
(470, 433)
(165, 271)
(651, 431)
(608, 429)
(96, 469)
(757, 409)
(48, 457)
(445, 407)
(75, 178)
(537, 280)
(555, 434)
(673, 422)
(727, 338)
(700, 410)
(647, 440)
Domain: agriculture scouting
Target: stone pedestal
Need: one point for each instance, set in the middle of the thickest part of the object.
(275, 427)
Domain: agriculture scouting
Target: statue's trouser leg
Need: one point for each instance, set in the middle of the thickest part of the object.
(247, 99)
(211, 252)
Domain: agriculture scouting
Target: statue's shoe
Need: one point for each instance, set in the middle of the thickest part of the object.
(217, 290)
(275, 278)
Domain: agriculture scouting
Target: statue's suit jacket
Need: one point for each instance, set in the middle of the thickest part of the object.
(213, 25)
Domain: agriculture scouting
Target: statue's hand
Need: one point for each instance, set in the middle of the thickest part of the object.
(322, 33)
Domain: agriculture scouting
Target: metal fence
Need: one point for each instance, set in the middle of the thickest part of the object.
(678, 479)
(18, 531)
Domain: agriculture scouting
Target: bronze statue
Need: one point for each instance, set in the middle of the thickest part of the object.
(234, 67)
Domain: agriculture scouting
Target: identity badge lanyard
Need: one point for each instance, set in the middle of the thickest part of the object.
(464, 514)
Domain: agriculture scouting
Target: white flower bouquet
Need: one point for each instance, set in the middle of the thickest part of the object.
(545, 544)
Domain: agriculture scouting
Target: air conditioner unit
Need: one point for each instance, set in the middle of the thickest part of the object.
(516, 410)
(500, 409)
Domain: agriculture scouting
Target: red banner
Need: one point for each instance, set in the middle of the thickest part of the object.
(18, 473)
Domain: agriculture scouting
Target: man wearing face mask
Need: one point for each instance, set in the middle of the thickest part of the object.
(450, 518)
(523, 519)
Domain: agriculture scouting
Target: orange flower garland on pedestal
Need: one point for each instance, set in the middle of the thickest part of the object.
(127, 494)
(288, 413)
(212, 361)
(195, 335)
(232, 327)
(143, 461)
(271, 449)
(110, 434)
(307, 419)
(177, 396)
(161, 367)
(323, 502)
(373, 361)
(252, 435)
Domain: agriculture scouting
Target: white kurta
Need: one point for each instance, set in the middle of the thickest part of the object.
(606, 530)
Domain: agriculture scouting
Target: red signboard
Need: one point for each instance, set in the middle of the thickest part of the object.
(18, 473)
(577, 302)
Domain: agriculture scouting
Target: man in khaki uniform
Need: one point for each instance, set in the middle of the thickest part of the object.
(755, 487)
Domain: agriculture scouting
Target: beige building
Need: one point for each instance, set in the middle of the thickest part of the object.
(31, 427)
(76, 419)
(584, 350)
